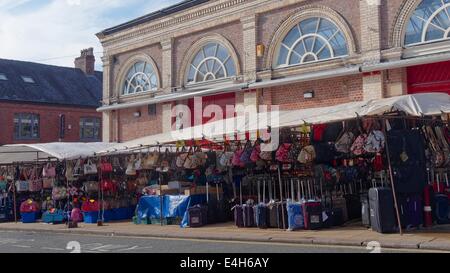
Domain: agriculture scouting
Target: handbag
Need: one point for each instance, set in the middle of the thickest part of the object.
(236, 161)
(59, 193)
(23, 184)
(282, 154)
(246, 153)
(358, 146)
(344, 143)
(375, 142)
(106, 167)
(131, 168)
(35, 183)
(77, 170)
(69, 173)
(150, 161)
(48, 182)
(138, 163)
(49, 171)
(108, 185)
(90, 168)
(307, 155)
(90, 186)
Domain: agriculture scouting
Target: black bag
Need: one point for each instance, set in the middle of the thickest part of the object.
(325, 152)
(407, 151)
(441, 211)
(335, 218)
(248, 216)
(281, 209)
(332, 132)
(273, 216)
(353, 206)
(411, 210)
(382, 212)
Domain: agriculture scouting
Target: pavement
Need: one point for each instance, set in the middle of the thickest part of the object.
(437, 239)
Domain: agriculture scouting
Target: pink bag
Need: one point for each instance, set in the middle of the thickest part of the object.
(282, 154)
(358, 146)
(236, 161)
(76, 215)
(35, 183)
(49, 171)
(255, 156)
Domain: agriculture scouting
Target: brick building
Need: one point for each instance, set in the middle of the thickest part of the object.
(43, 103)
(292, 53)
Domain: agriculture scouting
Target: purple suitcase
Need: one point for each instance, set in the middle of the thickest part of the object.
(248, 216)
(238, 216)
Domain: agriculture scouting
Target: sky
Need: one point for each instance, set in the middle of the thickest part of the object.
(55, 31)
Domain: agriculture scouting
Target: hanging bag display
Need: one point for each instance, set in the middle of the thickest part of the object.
(77, 169)
(90, 186)
(59, 193)
(237, 157)
(150, 161)
(344, 143)
(282, 154)
(90, 168)
(23, 185)
(69, 172)
(307, 155)
(246, 153)
(49, 171)
(106, 167)
(358, 146)
(131, 167)
(375, 142)
(35, 183)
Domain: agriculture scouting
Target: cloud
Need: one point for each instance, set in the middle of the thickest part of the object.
(46, 30)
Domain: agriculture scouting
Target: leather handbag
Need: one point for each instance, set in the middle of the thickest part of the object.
(344, 143)
(246, 153)
(77, 169)
(108, 185)
(106, 167)
(375, 142)
(307, 155)
(49, 171)
(282, 154)
(69, 172)
(90, 186)
(59, 193)
(90, 168)
(48, 182)
(150, 161)
(23, 184)
(131, 167)
(35, 183)
(358, 146)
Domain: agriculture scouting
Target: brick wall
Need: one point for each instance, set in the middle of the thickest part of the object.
(49, 122)
(290, 97)
(389, 11)
(131, 127)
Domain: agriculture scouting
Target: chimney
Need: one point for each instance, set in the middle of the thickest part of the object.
(86, 62)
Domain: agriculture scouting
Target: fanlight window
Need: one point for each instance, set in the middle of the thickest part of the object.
(430, 22)
(212, 62)
(140, 78)
(314, 39)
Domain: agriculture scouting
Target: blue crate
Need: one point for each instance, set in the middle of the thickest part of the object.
(54, 218)
(108, 216)
(90, 217)
(28, 217)
(131, 212)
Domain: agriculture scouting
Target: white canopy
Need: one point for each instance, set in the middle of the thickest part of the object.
(417, 105)
(59, 150)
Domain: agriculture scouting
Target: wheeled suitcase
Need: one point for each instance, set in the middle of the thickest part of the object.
(261, 216)
(365, 210)
(248, 216)
(273, 215)
(333, 218)
(441, 212)
(353, 206)
(296, 220)
(238, 216)
(282, 210)
(312, 213)
(341, 203)
(382, 211)
(197, 216)
(411, 210)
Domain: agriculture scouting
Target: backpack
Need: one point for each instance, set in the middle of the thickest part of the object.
(358, 146)
(318, 132)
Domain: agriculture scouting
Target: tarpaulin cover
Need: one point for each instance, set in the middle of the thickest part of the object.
(173, 206)
(416, 105)
(58, 150)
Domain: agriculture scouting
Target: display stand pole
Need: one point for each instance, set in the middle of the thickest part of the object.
(399, 221)
(161, 197)
(281, 195)
(14, 196)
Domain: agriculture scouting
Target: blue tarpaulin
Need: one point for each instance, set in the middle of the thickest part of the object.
(172, 206)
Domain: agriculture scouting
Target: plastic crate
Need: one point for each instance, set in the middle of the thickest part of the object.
(108, 216)
(28, 217)
(131, 212)
(90, 217)
(53, 218)
(138, 221)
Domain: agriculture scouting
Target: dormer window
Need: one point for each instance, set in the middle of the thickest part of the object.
(28, 79)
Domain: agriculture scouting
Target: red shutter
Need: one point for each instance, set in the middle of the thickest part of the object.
(429, 78)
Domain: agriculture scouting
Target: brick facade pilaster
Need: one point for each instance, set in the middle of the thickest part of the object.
(249, 41)
(166, 74)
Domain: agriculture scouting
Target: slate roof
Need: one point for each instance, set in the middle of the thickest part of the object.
(53, 84)
(154, 16)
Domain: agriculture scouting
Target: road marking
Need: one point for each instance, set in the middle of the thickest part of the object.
(20, 246)
(52, 248)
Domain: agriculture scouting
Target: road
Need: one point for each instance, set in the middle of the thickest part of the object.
(30, 242)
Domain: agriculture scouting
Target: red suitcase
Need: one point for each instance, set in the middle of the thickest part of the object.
(312, 212)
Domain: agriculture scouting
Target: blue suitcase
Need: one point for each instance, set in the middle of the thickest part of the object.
(411, 210)
(261, 216)
(296, 220)
(441, 211)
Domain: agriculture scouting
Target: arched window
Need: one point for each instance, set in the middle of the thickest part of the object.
(430, 22)
(141, 77)
(212, 62)
(313, 39)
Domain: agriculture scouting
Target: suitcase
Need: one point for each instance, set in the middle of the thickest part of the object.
(312, 213)
(334, 218)
(382, 211)
(353, 206)
(273, 215)
(441, 211)
(365, 210)
(261, 216)
(295, 216)
(197, 216)
(238, 216)
(282, 209)
(411, 210)
(248, 216)
(341, 203)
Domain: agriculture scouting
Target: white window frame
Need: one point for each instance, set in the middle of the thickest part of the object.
(127, 84)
